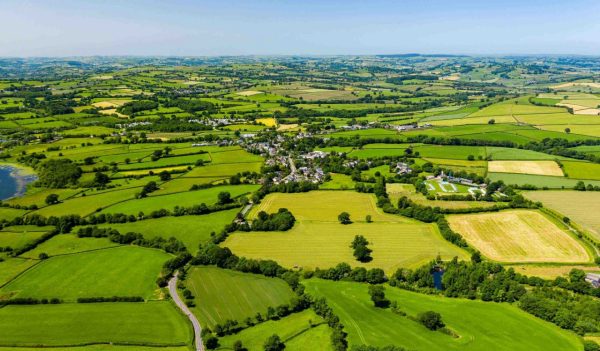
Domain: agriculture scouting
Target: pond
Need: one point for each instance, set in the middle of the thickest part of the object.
(13, 181)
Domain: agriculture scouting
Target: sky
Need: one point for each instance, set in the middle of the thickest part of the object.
(297, 27)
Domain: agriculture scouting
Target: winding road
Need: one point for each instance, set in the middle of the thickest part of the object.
(183, 307)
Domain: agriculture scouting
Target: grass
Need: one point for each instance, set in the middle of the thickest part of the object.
(153, 323)
(504, 153)
(450, 151)
(546, 168)
(480, 325)
(580, 206)
(537, 180)
(295, 330)
(191, 230)
(11, 267)
(221, 294)
(319, 240)
(86, 205)
(190, 198)
(120, 271)
(68, 244)
(581, 170)
(396, 191)
(16, 240)
(338, 182)
(519, 236)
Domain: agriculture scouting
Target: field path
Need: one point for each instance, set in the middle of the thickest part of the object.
(183, 307)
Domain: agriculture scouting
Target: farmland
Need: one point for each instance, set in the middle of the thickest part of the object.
(474, 321)
(227, 295)
(519, 236)
(157, 183)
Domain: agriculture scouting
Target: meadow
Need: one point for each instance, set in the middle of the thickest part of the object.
(222, 295)
(120, 271)
(150, 324)
(519, 236)
(480, 325)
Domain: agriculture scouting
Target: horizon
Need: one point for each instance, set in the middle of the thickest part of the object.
(186, 28)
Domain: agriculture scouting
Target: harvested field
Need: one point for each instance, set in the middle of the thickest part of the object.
(518, 236)
(249, 92)
(548, 168)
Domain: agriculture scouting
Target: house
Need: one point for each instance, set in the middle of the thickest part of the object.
(594, 279)
(402, 168)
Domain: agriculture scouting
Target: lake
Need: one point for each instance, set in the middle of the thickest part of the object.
(13, 182)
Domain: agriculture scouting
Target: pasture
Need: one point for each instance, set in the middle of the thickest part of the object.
(222, 294)
(119, 271)
(519, 236)
(480, 325)
(151, 324)
(297, 331)
(64, 244)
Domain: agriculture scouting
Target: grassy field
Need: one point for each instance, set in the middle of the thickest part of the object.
(11, 267)
(295, 330)
(120, 271)
(581, 207)
(190, 198)
(518, 236)
(396, 191)
(319, 240)
(191, 230)
(547, 168)
(153, 323)
(480, 325)
(338, 182)
(581, 170)
(222, 294)
(537, 180)
(68, 244)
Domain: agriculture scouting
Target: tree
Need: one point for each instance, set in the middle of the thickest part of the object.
(238, 346)
(224, 197)
(211, 342)
(567, 130)
(274, 343)
(377, 293)
(51, 199)
(492, 121)
(368, 219)
(101, 179)
(361, 251)
(164, 176)
(58, 173)
(476, 257)
(431, 320)
(43, 256)
(344, 218)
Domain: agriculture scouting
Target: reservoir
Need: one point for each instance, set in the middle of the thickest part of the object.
(13, 182)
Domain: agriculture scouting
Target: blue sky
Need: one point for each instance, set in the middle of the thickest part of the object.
(287, 27)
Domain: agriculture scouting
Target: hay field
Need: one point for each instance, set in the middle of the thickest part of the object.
(319, 240)
(549, 168)
(549, 271)
(572, 84)
(518, 236)
(580, 206)
(249, 93)
(269, 122)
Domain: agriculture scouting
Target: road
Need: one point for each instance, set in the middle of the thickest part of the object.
(183, 307)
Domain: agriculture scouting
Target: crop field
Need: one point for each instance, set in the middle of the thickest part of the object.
(581, 207)
(480, 325)
(222, 294)
(546, 168)
(518, 236)
(190, 230)
(319, 240)
(295, 330)
(81, 324)
(121, 271)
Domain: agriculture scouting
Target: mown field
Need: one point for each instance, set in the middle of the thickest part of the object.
(222, 295)
(480, 325)
(581, 207)
(153, 323)
(319, 240)
(519, 236)
(120, 271)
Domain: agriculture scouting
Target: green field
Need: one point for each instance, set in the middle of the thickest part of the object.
(120, 271)
(63, 244)
(480, 325)
(295, 330)
(152, 323)
(581, 170)
(538, 180)
(222, 294)
(319, 240)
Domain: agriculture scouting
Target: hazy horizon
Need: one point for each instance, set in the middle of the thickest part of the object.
(69, 28)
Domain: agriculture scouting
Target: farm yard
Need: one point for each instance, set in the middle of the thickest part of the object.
(246, 190)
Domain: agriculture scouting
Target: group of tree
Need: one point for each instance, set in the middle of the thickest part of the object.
(282, 220)
(58, 173)
(361, 252)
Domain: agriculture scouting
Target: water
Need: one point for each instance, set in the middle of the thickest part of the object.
(12, 182)
(437, 278)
